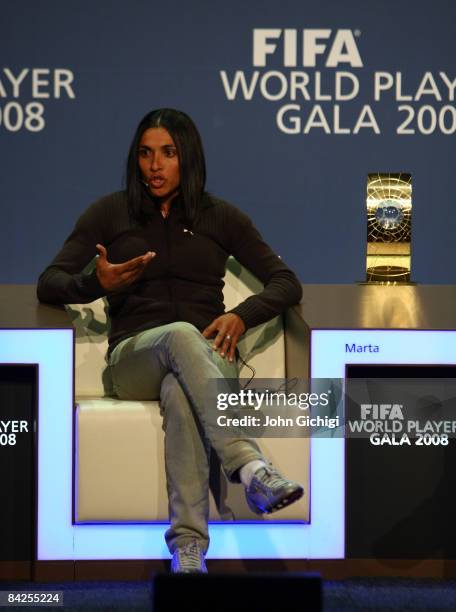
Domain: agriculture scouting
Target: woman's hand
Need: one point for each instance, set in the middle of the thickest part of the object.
(227, 328)
(118, 276)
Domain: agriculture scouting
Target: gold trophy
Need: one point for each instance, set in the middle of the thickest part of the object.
(389, 228)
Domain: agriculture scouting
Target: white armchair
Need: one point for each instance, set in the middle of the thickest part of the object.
(119, 463)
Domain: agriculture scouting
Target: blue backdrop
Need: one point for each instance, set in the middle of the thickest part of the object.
(78, 75)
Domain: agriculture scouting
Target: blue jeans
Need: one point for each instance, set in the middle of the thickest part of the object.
(172, 363)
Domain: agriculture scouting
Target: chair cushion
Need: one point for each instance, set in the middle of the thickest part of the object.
(120, 472)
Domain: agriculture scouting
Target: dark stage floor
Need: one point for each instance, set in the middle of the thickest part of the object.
(354, 594)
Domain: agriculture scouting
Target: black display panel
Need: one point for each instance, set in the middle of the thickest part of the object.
(18, 392)
(400, 500)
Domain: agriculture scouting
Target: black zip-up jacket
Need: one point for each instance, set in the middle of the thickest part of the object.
(184, 281)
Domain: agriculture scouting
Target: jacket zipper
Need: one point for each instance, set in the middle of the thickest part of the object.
(168, 278)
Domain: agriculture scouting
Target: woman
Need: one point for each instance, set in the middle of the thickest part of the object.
(162, 248)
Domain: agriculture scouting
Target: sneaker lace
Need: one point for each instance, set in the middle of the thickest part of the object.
(190, 555)
(271, 477)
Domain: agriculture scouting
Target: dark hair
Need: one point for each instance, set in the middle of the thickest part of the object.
(192, 165)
